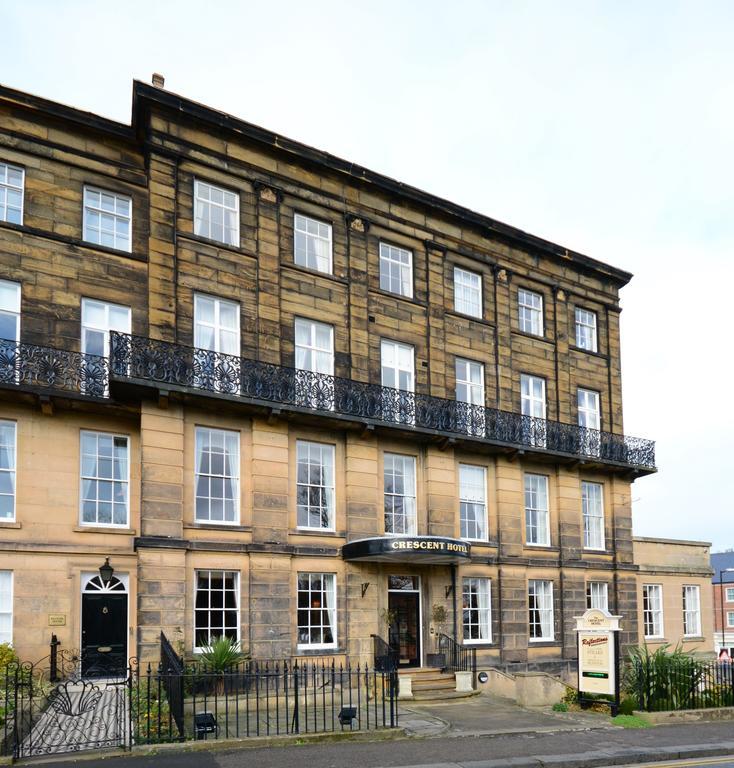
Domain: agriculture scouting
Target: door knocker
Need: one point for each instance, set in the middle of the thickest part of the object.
(105, 609)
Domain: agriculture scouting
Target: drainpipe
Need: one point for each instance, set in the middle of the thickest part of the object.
(453, 596)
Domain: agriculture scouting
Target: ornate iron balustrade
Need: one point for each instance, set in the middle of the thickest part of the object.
(45, 368)
(165, 363)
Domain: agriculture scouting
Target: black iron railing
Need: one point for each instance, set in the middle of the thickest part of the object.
(164, 363)
(385, 657)
(459, 658)
(46, 368)
(173, 681)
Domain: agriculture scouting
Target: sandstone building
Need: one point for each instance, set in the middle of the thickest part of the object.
(294, 402)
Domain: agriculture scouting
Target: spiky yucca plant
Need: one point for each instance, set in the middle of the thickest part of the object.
(220, 656)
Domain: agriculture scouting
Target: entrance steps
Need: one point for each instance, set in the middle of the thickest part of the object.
(430, 684)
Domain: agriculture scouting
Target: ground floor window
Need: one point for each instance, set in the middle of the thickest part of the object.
(597, 595)
(476, 610)
(652, 609)
(6, 606)
(540, 604)
(316, 610)
(691, 611)
(217, 611)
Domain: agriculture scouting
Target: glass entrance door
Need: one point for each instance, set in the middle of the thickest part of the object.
(404, 633)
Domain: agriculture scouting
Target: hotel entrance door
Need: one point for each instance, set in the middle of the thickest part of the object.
(404, 634)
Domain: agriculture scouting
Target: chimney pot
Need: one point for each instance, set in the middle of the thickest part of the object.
(158, 80)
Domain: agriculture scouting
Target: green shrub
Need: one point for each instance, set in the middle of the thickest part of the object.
(560, 706)
(571, 697)
(8, 656)
(151, 713)
(627, 706)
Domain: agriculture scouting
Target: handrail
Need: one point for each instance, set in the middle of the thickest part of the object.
(385, 657)
(459, 658)
(161, 362)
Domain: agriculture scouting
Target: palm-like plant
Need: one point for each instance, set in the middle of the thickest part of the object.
(221, 655)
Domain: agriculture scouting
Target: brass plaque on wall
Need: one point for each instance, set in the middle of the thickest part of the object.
(57, 619)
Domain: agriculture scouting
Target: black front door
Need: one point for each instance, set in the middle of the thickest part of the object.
(404, 632)
(104, 634)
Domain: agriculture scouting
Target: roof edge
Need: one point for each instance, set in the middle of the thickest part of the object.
(657, 540)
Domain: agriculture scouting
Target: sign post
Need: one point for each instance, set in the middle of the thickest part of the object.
(598, 646)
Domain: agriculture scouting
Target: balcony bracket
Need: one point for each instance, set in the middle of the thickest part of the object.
(446, 442)
(163, 399)
(47, 406)
(273, 416)
(367, 430)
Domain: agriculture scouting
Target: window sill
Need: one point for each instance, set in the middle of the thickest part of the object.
(545, 642)
(473, 318)
(10, 524)
(399, 296)
(693, 639)
(317, 532)
(542, 547)
(655, 638)
(214, 243)
(479, 644)
(534, 336)
(327, 650)
(215, 527)
(104, 529)
(316, 272)
(591, 352)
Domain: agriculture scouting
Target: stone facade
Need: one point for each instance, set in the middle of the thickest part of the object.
(171, 143)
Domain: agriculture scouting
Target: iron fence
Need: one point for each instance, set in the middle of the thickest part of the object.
(459, 658)
(680, 684)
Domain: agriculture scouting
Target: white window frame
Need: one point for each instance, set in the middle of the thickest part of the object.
(11, 471)
(476, 586)
(82, 478)
(200, 434)
(88, 206)
(467, 292)
(730, 618)
(390, 259)
(14, 310)
(333, 618)
(5, 185)
(105, 327)
(8, 611)
(396, 368)
(535, 486)
(408, 496)
(401, 407)
(312, 349)
(474, 391)
(225, 572)
(594, 591)
(589, 408)
(474, 494)
(327, 489)
(593, 515)
(300, 227)
(691, 612)
(200, 201)
(530, 312)
(530, 405)
(653, 612)
(586, 329)
(547, 608)
(729, 595)
(217, 326)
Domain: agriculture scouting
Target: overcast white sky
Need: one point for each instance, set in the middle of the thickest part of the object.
(604, 126)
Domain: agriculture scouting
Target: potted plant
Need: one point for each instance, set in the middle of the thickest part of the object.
(221, 659)
(439, 617)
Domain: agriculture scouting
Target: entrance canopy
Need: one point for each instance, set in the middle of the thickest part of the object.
(419, 550)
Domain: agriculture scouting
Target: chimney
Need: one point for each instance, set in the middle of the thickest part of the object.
(158, 80)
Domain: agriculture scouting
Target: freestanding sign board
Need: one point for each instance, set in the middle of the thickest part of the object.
(598, 646)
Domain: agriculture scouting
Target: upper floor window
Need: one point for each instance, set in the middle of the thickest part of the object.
(9, 310)
(588, 407)
(397, 365)
(108, 219)
(586, 329)
(530, 305)
(217, 475)
(396, 270)
(537, 524)
(315, 485)
(592, 503)
(691, 610)
(473, 502)
(6, 607)
(730, 594)
(216, 213)
(532, 396)
(7, 470)
(217, 607)
(105, 479)
(467, 292)
(652, 610)
(399, 481)
(476, 610)
(12, 179)
(312, 246)
(98, 319)
(469, 382)
(540, 606)
(216, 325)
(317, 610)
(597, 595)
(730, 618)
(314, 346)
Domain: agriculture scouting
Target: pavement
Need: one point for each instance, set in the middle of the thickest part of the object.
(482, 732)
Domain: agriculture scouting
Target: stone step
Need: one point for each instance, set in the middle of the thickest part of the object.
(422, 671)
(448, 684)
(441, 695)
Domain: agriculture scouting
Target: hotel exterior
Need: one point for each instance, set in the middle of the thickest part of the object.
(294, 402)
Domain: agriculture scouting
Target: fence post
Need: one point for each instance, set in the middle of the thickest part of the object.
(296, 723)
(53, 674)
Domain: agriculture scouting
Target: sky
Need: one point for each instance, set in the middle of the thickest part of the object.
(606, 127)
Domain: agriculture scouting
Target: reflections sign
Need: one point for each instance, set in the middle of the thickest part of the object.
(597, 644)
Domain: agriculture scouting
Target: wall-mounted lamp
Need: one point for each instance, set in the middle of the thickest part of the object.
(449, 590)
(106, 571)
(365, 587)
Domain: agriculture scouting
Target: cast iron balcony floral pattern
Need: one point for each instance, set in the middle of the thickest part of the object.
(45, 368)
(165, 363)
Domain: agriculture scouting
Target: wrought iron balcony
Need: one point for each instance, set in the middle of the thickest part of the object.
(29, 366)
(168, 365)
